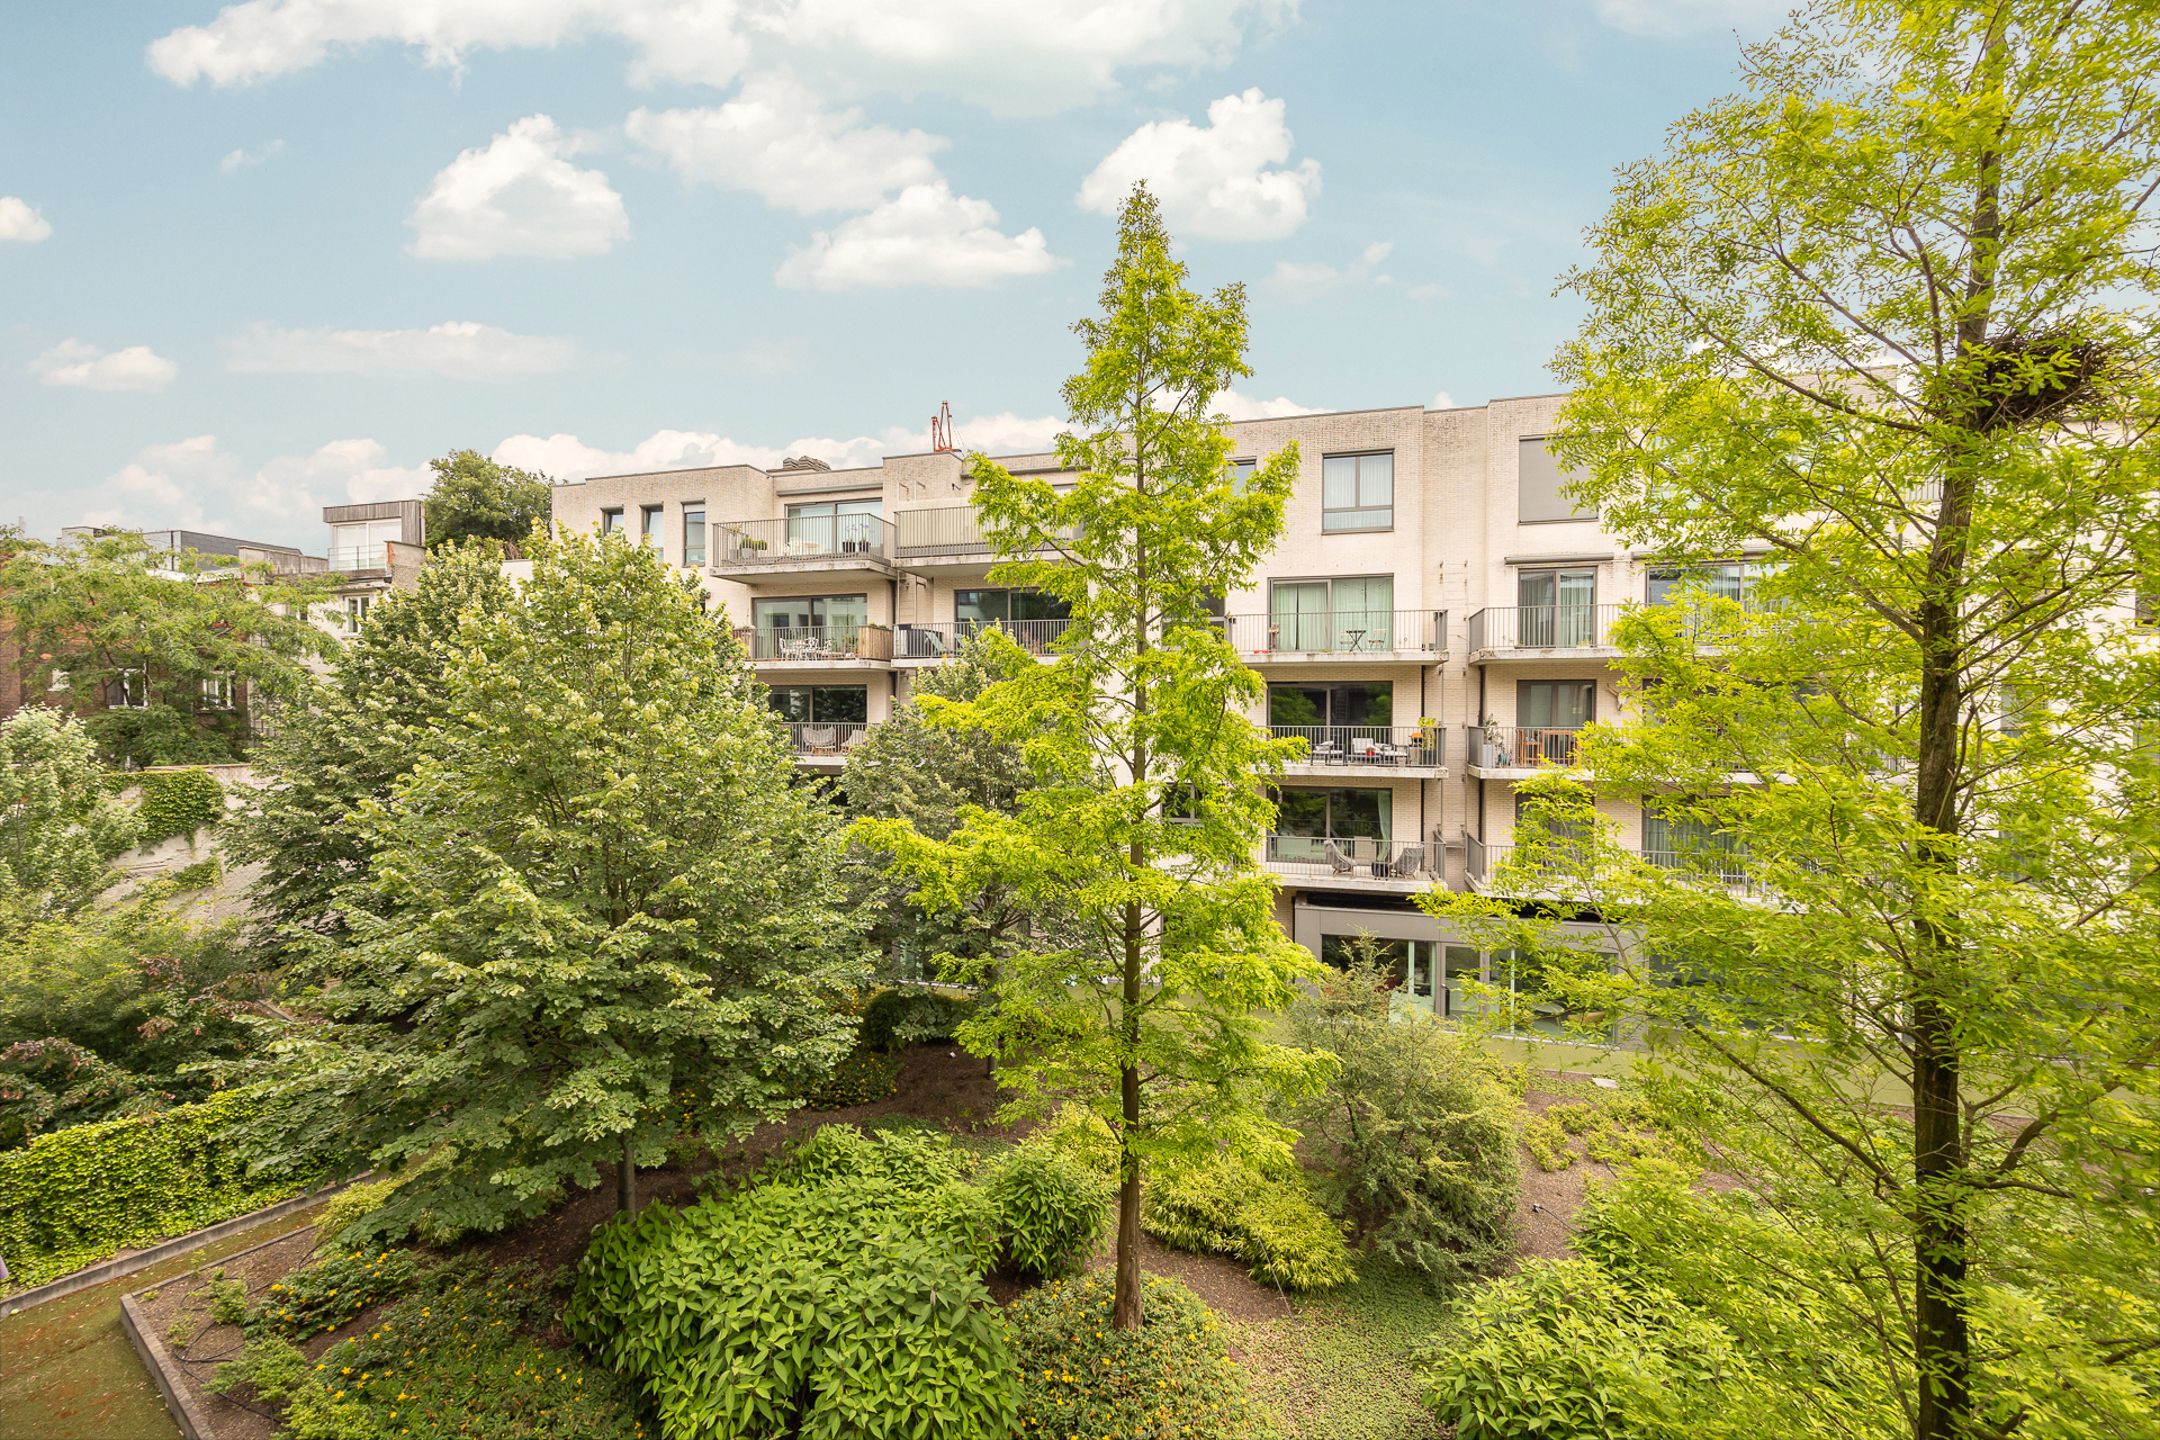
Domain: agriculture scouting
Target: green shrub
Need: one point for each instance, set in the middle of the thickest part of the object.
(228, 1300)
(861, 1077)
(341, 1218)
(1083, 1377)
(324, 1295)
(897, 1019)
(1565, 1351)
(74, 1196)
(1547, 1141)
(1415, 1137)
(159, 734)
(1050, 1209)
(457, 1357)
(836, 1295)
(269, 1366)
(178, 802)
(1223, 1206)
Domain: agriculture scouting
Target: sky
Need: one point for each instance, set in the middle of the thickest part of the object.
(262, 257)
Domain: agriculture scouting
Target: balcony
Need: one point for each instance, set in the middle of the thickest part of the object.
(942, 537)
(823, 744)
(1343, 862)
(1716, 864)
(1512, 752)
(928, 644)
(1396, 636)
(818, 646)
(822, 544)
(1331, 750)
(1542, 632)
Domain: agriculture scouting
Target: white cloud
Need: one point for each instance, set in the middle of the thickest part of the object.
(519, 195)
(242, 159)
(196, 484)
(1441, 400)
(82, 366)
(1213, 181)
(20, 221)
(773, 139)
(1238, 406)
(1316, 277)
(1673, 19)
(566, 457)
(455, 350)
(699, 40)
(1038, 57)
(925, 235)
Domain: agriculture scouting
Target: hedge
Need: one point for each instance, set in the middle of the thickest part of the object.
(179, 802)
(72, 1197)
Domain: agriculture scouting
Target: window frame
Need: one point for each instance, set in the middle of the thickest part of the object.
(1357, 485)
(704, 529)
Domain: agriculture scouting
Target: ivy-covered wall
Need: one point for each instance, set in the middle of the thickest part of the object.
(74, 1196)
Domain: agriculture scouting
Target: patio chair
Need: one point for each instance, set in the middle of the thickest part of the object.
(1411, 862)
(1341, 864)
(820, 739)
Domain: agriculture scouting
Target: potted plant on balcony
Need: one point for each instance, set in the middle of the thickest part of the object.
(1426, 738)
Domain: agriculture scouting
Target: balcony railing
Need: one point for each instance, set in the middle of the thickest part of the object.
(361, 557)
(1523, 747)
(816, 739)
(1542, 627)
(818, 642)
(1366, 747)
(940, 530)
(1710, 862)
(814, 537)
(935, 642)
(1341, 632)
(1344, 857)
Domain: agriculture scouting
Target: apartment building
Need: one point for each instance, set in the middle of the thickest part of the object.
(1435, 624)
(375, 547)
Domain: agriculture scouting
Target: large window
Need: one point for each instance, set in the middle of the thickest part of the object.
(652, 524)
(1029, 616)
(809, 627)
(693, 533)
(1538, 481)
(1352, 613)
(835, 527)
(1332, 703)
(1358, 822)
(1357, 492)
(363, 544)
(822, 704)
(611, 520)
(1556, 608)
(1688, 844)
(1729, 580)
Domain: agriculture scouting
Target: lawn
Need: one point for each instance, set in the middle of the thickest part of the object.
(1338, 1368)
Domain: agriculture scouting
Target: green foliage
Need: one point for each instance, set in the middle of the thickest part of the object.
(1050, 1206)
(1417, 1130)
(93, 614)
(898, 1019)
(74, 1196)
(1340, 1367)
(1547, 1141)
(1563, 1349)
(475, 498)
(836, 1296)
(52, 1083)
(342, 1216)
(595, 901)
(59, 828)
(228, 1299)
(329, 1291)
(1268, 1222)
(861, 1077)
(459, 1358)
(1143, 989)
(178, 802)
(1081, 1376)
(270, 1367)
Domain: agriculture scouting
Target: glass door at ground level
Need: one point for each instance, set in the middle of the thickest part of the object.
(1408, 965)
(1555, 608)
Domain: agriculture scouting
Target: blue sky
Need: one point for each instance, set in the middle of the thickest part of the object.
(261, 257)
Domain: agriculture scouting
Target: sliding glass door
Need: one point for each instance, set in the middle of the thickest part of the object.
(1557, 608)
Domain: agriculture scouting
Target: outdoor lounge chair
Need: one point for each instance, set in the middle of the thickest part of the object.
(1342, 864)
(1411, 862)
(820, 738)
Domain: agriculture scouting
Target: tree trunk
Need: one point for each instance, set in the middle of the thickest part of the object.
(1125, 1313)
(626, 1199)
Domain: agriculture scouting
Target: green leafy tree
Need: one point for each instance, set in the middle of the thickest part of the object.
(1891, 311)
(1150, 1007)
(596, 909)
(158, 650)
(915, 769)
(59, 825)
(351, 740)
(475, 498)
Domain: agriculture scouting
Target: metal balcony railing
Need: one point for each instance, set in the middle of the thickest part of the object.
(940, 530)
(1522, 747)
(1340, 632)
(1345, 857)
(818, 738)
(1543, 627)
(818, 642)
(361, 557)
(1722, 863)
(1366, 747)
(813, 537)
(936, 641)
